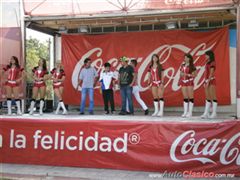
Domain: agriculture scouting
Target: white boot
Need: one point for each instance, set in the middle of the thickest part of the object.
(155, 108)
(185, 107)
(32, 107)
(207, 109)
(9, 106)
(64, 108)
(58, 108)
(18, 107)
(160, 112)
(214, 110)
(41, 107)
(189, 114)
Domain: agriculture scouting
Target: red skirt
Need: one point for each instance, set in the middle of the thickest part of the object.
(186, 83)
(39, 84)
(212, 82)
(57, 85)
(11, 84)
(156, 83)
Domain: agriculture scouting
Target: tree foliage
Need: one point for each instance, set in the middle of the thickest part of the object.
(34, 51)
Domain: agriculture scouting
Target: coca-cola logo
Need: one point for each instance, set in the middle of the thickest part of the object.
(203, 150)
(172, 74)
(183, 2)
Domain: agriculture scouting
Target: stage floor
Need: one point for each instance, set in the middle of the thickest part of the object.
(168, 117)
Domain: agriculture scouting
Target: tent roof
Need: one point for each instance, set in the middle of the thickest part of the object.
(94, 7)
(51, 16)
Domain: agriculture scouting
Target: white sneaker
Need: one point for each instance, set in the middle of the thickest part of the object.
(213, 115)
(64, 113)
(205, 116)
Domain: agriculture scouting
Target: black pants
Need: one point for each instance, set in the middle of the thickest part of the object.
(108, 97)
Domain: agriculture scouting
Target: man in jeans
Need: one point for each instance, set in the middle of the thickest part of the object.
(87, 80)
(126, 81)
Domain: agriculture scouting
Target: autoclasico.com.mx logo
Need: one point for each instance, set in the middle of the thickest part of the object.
(190, 174)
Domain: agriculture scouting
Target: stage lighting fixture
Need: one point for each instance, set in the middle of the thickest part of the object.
(62, 29)
(193, 23)
(171, 25)
(83, 29)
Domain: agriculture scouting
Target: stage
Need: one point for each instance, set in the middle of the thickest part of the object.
(169, 116)
(138, 142)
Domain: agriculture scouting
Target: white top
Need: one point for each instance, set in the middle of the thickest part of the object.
(106, 79)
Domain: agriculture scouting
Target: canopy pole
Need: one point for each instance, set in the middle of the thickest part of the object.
(238, 61)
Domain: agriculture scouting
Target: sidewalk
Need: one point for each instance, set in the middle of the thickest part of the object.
(34, 172)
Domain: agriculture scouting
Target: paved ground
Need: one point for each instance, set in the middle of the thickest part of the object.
(34, 172)
(14, 171)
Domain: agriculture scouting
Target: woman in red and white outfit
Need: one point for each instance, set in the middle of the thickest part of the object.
(14, 75)
(187, 74)
(156, 77)
(58, 77)
(210, 86)
(39, 76)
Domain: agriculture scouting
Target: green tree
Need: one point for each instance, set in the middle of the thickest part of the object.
(34, 51)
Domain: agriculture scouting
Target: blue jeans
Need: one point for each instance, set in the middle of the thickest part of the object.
(126, 94)
(83, 99)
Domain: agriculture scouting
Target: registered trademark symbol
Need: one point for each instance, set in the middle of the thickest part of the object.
(134, 138)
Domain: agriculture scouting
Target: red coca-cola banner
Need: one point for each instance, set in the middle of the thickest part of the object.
(169, 45)
(138, 145)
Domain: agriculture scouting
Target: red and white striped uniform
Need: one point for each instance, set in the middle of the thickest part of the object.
(156, 80)
(187, 79)
(208, 66)
(13, 75)
(39, 73)
(57, 74)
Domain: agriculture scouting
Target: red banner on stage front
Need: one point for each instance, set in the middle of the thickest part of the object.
(147, 145)
(169, 45)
